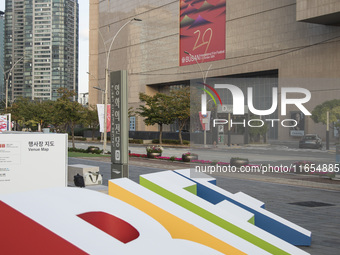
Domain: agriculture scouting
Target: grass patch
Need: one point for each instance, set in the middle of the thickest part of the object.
(73, 154)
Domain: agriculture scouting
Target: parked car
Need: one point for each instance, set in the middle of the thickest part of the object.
(183, 131)
(311, 141)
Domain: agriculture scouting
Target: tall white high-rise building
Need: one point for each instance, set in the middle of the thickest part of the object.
(41, 40)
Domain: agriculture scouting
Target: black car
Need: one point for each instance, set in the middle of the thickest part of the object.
(312, 141)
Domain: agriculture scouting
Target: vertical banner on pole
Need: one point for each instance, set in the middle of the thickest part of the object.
(3, 123)
(119, 124)
(100, 110)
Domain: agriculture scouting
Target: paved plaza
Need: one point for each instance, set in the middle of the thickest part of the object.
(312, 203)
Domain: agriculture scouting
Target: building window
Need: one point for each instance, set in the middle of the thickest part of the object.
(133, 123)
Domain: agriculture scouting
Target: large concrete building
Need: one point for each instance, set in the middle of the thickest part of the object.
(2, 48)
(286, 43)
(42, 42)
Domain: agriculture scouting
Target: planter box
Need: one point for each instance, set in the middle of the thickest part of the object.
(153, 154)
(188, 158)
(93, 148)
(238, 162)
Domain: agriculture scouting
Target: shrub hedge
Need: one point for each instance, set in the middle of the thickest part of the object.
(90, 149)
(136, 141)
(170, 141)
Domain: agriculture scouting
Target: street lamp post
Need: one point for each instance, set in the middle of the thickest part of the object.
(107, 76)
(7, 77)
(204, 76)
(103, 95)
(98, 87)
(83, 102)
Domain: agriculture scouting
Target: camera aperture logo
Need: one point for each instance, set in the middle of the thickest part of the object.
(238, 107)
(204, 98)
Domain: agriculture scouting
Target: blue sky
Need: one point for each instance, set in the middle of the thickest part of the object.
(83, 42)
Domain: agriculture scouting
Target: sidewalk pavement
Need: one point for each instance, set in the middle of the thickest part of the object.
(293, 179)
(309, 201)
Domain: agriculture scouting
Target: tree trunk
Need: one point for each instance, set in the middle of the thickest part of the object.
(93, 129)
(181, 126)
(72, 131)
(265, 138)
(180, 133)
(160, 133)
(180, 136)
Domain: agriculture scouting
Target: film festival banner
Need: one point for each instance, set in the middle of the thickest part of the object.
(3, 123)
(202, 31)
(205, 120)
(100, 109)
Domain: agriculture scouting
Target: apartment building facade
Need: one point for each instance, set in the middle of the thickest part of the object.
(2, 48)
(41, 42)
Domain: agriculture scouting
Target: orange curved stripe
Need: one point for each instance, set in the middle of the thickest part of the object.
(177, 227)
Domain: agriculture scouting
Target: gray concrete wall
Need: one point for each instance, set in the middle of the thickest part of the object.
(260, 35)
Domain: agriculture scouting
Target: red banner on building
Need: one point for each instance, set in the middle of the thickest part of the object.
(202, 31)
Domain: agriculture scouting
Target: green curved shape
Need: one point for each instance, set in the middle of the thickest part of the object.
(209, 94)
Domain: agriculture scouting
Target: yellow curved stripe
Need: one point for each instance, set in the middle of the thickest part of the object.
(177, 227)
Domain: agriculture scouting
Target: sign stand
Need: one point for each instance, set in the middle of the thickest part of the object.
(119, 125)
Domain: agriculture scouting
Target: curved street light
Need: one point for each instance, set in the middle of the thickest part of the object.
(107, 74)
(7, 77)
(204, 76)
(98, 86)
(103, 94)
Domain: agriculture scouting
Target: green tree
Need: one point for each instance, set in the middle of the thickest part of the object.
(62, 113)
(2, 106)
(68, 113)
(28, 113)
(256, 132)
(19, 112)
(195, 108)
(319, 114)
(91, 118)
(156, 111)
(180, 105)
(131, 112)
(46, 113)
(25, 113)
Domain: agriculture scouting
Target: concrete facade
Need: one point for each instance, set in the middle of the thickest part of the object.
(261, 36)
(321, 12)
